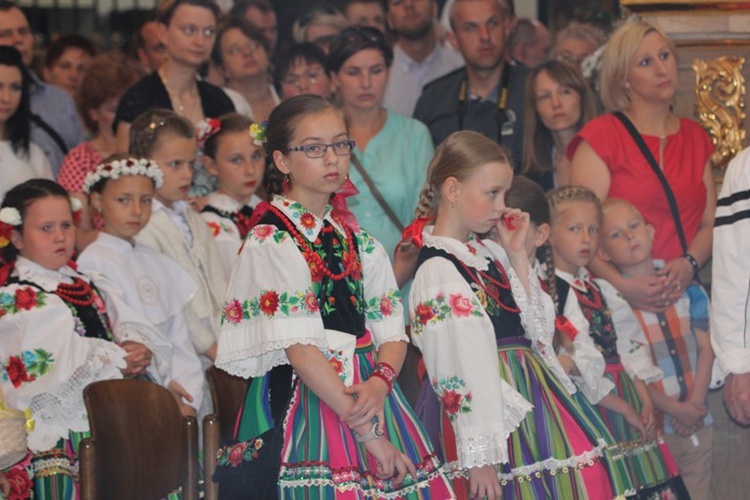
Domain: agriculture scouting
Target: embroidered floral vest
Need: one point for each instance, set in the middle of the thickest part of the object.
(601, 326)
(241, 218)
(341, 302)
(90, 321)
(507, 324)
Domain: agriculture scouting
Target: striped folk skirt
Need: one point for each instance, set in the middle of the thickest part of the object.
(652, 469)
(321, 459)
(556, 452)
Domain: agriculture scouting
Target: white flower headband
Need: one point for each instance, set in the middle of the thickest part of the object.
(116, 169)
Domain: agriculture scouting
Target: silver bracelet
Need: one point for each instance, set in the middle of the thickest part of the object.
(374, 433)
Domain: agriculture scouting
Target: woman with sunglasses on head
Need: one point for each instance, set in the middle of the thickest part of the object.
(392, 151)
(187, 28)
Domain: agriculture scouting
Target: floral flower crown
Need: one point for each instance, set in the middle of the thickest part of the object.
(258, 132)
(205, 129)
(116, 169)
(10, 218)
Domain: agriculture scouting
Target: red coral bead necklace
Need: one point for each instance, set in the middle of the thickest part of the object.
(78, 293)
(313, 258)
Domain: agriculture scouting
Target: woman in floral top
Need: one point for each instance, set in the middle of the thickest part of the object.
(510, 427)
(309, 291)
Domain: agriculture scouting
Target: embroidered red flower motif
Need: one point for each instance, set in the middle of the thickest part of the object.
(16, 371)
(25, 298)
(233, 311)
(236, 453)
(336, 364)
(214, 227)
(316, 269)
(307, 220)
(460, 305)
(20, 484)
(262, 232)
(353, 264)
(451, 401)
(311, 302)
(386, 306)
(424, 313)
(99, 303)
(269, 302)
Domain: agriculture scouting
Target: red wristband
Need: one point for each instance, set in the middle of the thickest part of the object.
(386, 373)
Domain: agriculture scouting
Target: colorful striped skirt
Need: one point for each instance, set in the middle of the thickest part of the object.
(652, 469)
(55, 471)
(321, 458)
(556, 452)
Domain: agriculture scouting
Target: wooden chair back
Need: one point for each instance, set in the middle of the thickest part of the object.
(140, 447)
(227, 395)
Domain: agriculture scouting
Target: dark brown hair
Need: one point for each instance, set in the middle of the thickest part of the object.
(108, 75)
(537, 139)
(230, 123)
(150, 125)
(280, 130)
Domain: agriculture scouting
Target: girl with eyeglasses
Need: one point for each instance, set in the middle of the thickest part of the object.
(313, 315)
(187, 28)
(241, 55)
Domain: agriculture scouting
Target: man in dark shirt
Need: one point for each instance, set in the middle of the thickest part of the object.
(487, 94)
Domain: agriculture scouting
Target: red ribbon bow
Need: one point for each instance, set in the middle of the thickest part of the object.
(341, 208)
(413, 232)
(563, 325)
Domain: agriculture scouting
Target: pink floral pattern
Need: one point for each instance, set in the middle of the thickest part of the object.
(441, 308)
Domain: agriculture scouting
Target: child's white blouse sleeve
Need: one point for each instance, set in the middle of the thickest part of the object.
(129, 325)
(457, 340)
(537, 314)
(585, 355)
(47, 362)
(383, 306)
(227, 238)
(632, 344)
(270, 305)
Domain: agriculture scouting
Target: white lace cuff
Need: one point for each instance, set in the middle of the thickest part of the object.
(255, 361)
(55, 414)
(160, 347)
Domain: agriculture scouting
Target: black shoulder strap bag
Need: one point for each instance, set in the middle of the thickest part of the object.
(664, 184)
(663, 180)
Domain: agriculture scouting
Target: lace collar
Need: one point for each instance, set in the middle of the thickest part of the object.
(304, 221)
(226, 203)
(46, 279)
(473, 253)
(577, 281)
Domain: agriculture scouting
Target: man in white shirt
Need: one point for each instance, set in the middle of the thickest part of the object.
(730, 287)
(418, 58)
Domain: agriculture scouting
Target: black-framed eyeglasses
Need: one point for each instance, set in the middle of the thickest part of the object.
(341, 148)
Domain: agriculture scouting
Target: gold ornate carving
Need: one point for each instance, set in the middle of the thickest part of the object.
(720, 103)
